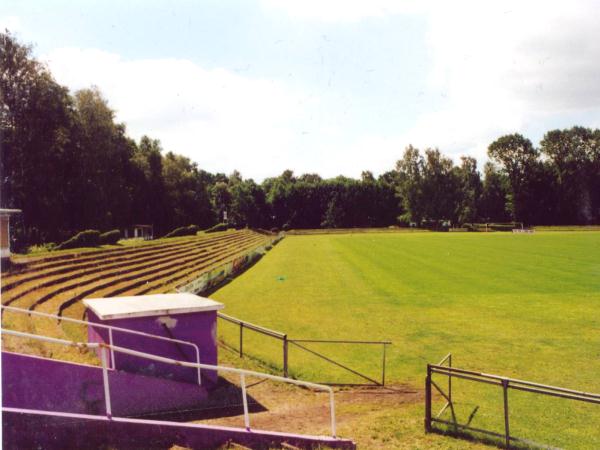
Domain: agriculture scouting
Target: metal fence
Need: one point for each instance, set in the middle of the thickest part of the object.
(444, 369)
(301, 344)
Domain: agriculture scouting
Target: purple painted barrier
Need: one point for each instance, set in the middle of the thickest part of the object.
(38, 383)
(199, 327)
(50, 431)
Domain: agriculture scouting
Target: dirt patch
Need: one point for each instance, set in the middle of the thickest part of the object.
(298, 410)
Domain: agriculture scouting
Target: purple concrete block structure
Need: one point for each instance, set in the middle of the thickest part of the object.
(33, 382)
(184, 317)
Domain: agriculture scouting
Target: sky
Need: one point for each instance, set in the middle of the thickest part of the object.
(333, 87)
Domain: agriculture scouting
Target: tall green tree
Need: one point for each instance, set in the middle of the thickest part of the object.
(518, 159)
(36, 128)
(573, 155)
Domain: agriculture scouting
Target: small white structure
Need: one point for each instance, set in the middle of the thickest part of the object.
(5, 232)
(145, 232)
(150, 305)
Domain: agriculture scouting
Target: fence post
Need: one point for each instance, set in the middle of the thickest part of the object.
(241, 339)
(506, 427)
(383, 366)
(285, 356)
(450, 380)
(428, 400)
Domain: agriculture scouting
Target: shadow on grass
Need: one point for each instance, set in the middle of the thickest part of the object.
(483, 438)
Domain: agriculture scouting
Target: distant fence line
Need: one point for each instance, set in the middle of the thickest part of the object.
(217, 275)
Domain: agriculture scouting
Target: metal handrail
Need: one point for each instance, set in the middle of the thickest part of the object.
(298, 343)
(110, 330)
(513, 382)
(505, 383)
(242, 372)
(337, 341)
(251, 326)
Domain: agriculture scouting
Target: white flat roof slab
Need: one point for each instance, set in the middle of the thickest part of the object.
(150, 305)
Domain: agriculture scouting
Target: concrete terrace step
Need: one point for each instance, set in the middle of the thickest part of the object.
(57, 431)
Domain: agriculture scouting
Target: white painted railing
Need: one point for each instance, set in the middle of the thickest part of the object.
(105, 348)
(110, 329)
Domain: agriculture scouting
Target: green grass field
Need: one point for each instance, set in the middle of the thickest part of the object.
(524, 306)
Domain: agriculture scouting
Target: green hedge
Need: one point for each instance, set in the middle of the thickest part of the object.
(190, 230)
(87, 238)
(110, 237)
(218, 227)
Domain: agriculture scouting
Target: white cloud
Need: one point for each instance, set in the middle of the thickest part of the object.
(500, 66)
(495, 68)
(11, 23)
(505, 65)
(221, 120)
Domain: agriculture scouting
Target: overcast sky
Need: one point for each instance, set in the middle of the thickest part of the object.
(327, 86)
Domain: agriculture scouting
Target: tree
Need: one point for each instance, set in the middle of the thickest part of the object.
(470, 189)
(493, 207)
(517, 158)
(573, 155)
(409, 188)
(37, 121)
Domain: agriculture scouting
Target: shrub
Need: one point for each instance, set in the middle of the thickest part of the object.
(87, 238)
(48, 246)
(190, 230)
(218, 227)
(110, 237)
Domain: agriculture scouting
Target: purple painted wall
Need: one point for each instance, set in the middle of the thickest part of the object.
(198, 328)
(30, 429)
(32, 382)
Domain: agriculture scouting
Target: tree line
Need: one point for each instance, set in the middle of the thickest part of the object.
(69, 165)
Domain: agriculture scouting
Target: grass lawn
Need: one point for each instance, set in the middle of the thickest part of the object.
(525, 306)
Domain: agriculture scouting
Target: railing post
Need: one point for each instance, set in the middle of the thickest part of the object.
(103, 357)
(383, 366)
(245, 401)
(112, 352)
(285, 356)
(428, 400)
(506, 427)
(332, 406)
(241, 339)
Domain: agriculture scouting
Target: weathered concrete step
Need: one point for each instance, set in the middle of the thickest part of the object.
(57, 431)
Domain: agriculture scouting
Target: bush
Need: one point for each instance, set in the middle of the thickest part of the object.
(48, 246)
(218, 227)
(190, 230)
(110, 237)
(87, 238)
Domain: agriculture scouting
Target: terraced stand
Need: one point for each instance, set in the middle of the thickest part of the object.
(57, 284)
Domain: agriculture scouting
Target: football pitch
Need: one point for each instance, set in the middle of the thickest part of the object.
(525, 306)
